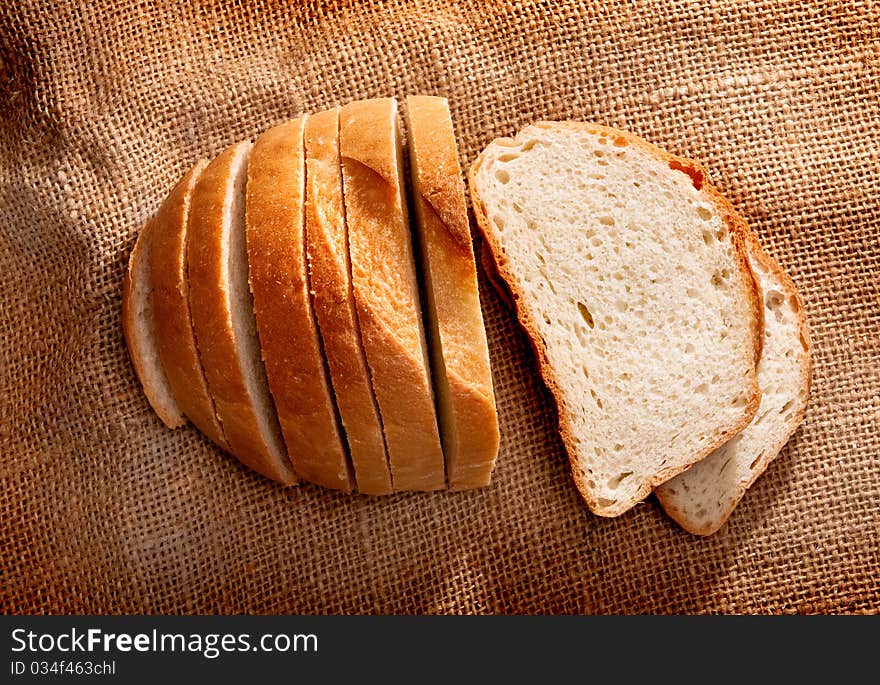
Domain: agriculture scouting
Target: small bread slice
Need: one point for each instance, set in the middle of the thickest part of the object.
(174, 334)
(630, 277)
(330, 279)
(386, 291)
(454, 320)
(702, 498)
(139, 328)
(279, 282)
(223, 316)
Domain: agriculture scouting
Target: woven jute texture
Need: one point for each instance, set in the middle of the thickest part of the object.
(105, 104)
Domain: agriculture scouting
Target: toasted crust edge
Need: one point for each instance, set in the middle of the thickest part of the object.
(172, 416)
(441, 189)
(214, 331)
(174, 333)
(739, 231)
(283, 308)
(757, 251)
(335, 309)
(416, 460)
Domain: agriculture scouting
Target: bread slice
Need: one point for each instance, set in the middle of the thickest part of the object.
(138, 326)
(223, 316)
(386, 291)
(454, 320)
(330, 279)
(174, 334)
(289, 338)
(630, 276)
(702, 498)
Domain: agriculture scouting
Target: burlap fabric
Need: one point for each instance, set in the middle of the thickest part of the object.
(104, 105)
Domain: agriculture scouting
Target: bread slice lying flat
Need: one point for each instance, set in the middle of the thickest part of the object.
(288, 333)
(330, 279)
(702, 498)
(174, 333)
(138, 326)
(223, 317)
(386, 292)
(630, 276)
(454, 320)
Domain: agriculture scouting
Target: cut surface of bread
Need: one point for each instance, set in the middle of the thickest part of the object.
(330, 280)
(630, 277)
(454, 320)
(386, 292)
(138, 326)
(223, 317)
(174, 334)
(288, 334)
(702, 498)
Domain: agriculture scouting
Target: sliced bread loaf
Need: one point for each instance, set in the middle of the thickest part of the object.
(702, 498)
(174, 333)
(289, 339)
(330, 279)
(386, 291)
(454, 320)
(630, 276)
(223, 316)
(139, 329)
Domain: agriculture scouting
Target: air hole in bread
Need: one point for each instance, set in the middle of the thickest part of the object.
(786, 406)
(689, 348)
(508, 157)
(704, 213)
(620, 141)
(606, 220)
(774, 300)
(621, 306)
(701, 389)
(586, 315)
(599, 153)
(605, 502)
(615, 481)
(528, 145)
(517, 208)
(499, 222)
(596, 242)
(708, 237)
(692, 293)
(502, 175)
